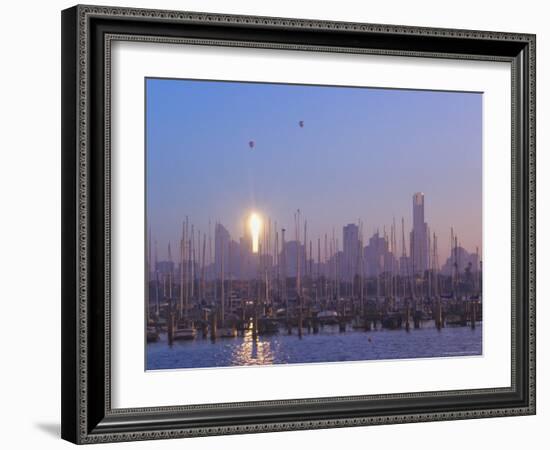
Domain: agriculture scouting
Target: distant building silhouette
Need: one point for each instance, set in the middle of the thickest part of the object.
(378, 257)
(419, 236)
(404, 266)
(165, 267)
(464, 260)
(351, 251)
(222, 239)
(292, 249)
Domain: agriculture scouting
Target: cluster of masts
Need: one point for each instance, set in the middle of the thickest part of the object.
(205, 278)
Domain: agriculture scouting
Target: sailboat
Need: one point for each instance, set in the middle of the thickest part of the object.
(185, 329)
(227, 332)
(185, 333)
(152, 333)
(224, 331)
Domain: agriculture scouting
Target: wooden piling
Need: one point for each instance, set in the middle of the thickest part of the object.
(342, 325)
(438, 316)
(171, 328)
(315, 326)
(213, 326)
(255, 325)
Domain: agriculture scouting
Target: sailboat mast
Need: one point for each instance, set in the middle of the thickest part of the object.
(222, 288)
(435, 266)
(210, 260)
(429, 263)
(305, 251)
(310, 262)
(283, 272)
(404, 270)
(203, 269)
(298, 251)
(317, 287)
(393, 259)
(192, 277)
(149, 275)
(157, 312)
(325, 264)
(277, 264)
(453, 281)
(477, 271)
(183, 307)
(170, 275)
(361, 267)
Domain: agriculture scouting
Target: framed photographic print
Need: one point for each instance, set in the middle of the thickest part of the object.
(280, 224)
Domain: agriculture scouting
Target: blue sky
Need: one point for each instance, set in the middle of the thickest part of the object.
(362, 153)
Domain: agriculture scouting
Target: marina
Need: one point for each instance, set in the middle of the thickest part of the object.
(257, 235)
(274, 294)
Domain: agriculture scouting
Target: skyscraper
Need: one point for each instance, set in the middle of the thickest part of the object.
(419, 236)
(292, 251)
(351, 250)
(378, 256)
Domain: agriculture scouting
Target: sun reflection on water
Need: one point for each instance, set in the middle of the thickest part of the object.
(252, 351)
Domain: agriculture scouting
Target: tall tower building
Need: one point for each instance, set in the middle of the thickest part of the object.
(351, 250)
(419, 236)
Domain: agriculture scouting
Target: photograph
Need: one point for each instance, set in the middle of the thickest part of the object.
(272, 222)
(299, 224)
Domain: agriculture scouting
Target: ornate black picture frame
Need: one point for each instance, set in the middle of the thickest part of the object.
(87, 34)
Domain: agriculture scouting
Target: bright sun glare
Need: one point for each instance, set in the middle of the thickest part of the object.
(255, 223)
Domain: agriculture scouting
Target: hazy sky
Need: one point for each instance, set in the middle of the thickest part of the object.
(362, 153)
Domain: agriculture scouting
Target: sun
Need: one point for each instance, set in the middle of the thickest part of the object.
(255, 224)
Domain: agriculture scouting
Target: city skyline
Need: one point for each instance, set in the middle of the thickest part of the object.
(285, 223)
(246, 166)
(397, 249)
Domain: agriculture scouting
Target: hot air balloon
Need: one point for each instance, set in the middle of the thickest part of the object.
(301, 123)
(251, 144)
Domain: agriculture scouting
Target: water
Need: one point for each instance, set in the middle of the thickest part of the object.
(328, 346)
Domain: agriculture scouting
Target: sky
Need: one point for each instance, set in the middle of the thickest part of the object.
(361, 154)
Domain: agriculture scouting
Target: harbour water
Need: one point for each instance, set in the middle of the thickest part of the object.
(329, 345)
